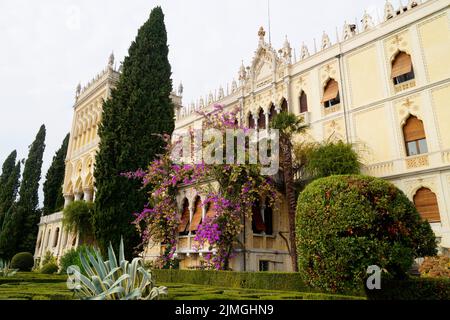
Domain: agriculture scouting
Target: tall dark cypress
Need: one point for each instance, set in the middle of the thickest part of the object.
(9, 224)
(5, 197)
(24, 215)
(139, 108)
(53, 200)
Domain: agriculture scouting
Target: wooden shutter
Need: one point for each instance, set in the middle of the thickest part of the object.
(303, 103)
(331, 91)
(426, 203)
(185, 216)
(401, 65)
(413, 130)
(210, 213)
(197, 218)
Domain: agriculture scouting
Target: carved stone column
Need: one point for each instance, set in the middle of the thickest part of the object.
(88, 194)
(78, 195)
(68, 199)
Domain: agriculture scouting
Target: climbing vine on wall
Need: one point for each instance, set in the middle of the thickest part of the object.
(231, 198)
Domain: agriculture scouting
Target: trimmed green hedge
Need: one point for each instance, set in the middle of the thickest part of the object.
(247, 280)
(412, 289)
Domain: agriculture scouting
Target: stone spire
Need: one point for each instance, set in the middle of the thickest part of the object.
(349, 30)
(261, 35)
(221, 93)
(286, 52)
(180, 89)
(77, 91)
(304, 52)
(367, 21)
(242, 73)
(326, 43)
(111, 60)
(389, 11)
(233, 86)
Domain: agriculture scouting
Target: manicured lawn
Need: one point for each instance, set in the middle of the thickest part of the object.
(35, 286)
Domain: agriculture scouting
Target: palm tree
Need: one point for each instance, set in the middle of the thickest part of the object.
(288, 125)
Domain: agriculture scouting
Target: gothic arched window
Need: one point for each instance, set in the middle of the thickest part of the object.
(250, 121)
(331, 95)
(261, 119)
(426, 203)
(402, 68)
(272, 112)
(303, 102)
(55, 239)
(185, 217)
(284, 106)
(197, 217)
(414, 135)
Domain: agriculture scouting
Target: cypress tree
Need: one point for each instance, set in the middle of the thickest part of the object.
(5, 198)
(26, 212)
(53, 199)
(139, 108)
(9, 227)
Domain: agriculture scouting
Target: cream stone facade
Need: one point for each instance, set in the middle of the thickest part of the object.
(384, 88)
(80, 159)
(367, 89)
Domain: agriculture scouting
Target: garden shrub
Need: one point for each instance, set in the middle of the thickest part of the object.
(49, 268)
(23, 261)
(72, 258)
(435, 267)
(332, 158)
(347, 223)
(48, 258)
(412, 289)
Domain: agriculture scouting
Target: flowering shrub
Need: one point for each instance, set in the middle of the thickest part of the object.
(435, 267)
(239, 186)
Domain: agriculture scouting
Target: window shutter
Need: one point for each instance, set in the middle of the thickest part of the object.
(401, 65)
(184, 218)
(331, 91)
(210, 213)
(413, 130)
(426, 203)
(197, 215)
(303, 103)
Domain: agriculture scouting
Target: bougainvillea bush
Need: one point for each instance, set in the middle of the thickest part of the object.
(230, 189)
(347, 223)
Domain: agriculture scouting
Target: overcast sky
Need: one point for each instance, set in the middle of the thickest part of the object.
(49, 46)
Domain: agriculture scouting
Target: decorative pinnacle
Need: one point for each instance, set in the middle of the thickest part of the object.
(261, 33)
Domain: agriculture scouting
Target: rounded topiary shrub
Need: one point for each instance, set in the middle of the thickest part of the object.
(49, 268)
(347, 223)
(23, 261)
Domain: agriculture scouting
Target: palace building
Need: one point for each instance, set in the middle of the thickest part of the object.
(383, 87)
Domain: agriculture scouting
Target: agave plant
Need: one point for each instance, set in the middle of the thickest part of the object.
(113, 279)
(5, 269)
